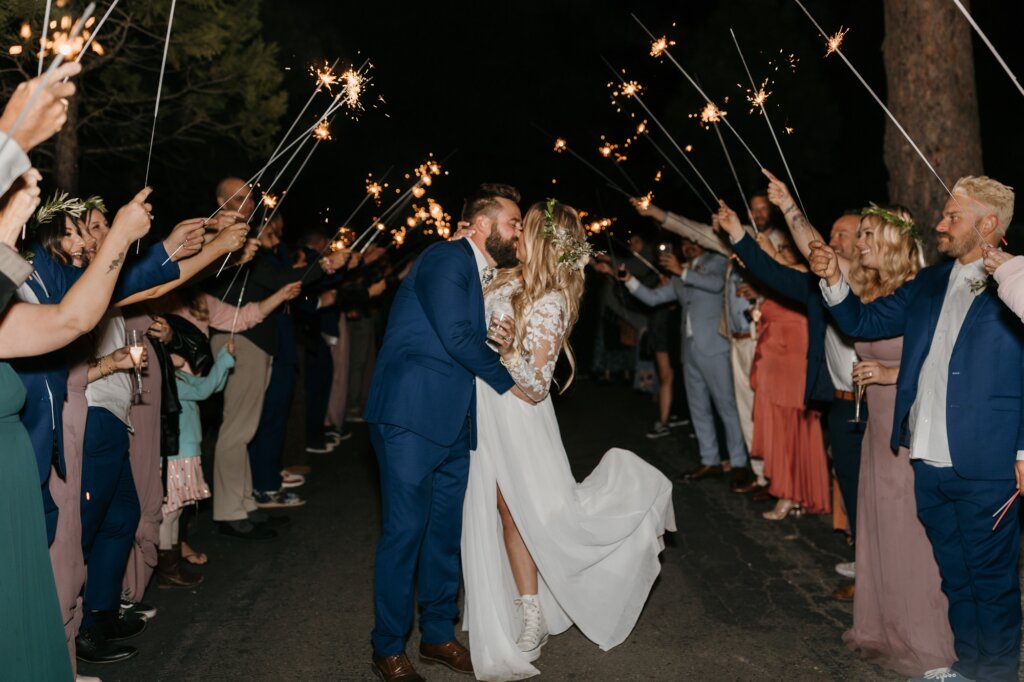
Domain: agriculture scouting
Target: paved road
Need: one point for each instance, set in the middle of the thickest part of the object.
(739, 598)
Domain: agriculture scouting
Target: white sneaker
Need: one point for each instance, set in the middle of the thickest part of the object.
(941, 674)
(535, 631)
(847, 569)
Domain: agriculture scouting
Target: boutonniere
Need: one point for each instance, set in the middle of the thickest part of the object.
(978, 284)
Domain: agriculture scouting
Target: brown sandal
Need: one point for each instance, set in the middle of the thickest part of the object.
(193, 557)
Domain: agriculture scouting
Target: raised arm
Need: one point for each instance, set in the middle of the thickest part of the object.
(191, 387)
(799, 227)
(28, 329)
(699, 233)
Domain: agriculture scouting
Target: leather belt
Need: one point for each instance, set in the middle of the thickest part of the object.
(844, 395)
(741, 335)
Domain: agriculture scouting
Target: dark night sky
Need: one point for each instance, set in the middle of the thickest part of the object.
(476, 77)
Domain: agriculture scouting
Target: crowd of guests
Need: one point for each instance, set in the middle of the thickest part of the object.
(850, 363)
(112, 341)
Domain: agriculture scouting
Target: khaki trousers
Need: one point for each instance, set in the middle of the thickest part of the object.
(243, 403)
(742, 356)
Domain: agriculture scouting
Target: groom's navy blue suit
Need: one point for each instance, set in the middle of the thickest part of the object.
(983, 420)
(422, 415)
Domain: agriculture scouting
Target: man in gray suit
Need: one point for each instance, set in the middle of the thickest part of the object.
(698, 285)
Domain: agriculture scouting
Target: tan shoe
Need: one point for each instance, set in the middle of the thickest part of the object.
(395, 668)
(450, 654)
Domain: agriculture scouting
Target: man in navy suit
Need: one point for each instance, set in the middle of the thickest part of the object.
(958, 408)
(422, 416)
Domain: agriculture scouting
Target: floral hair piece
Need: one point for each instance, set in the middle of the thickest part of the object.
(905, 226)
(572, 252)
(58, 204)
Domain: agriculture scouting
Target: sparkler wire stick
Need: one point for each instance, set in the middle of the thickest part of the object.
(42, 42)
(685, 179)
(888, 113)
(284, 194)
(629, 180)
(640, 258)
(374, 230)
(764, 112)
(739, 186)
(586, 163)
(241, 293)
(58, 59)
(159, 90)
(1005, 508)
(988, 43)
(675, 144)
(95, 31)
(700, 92)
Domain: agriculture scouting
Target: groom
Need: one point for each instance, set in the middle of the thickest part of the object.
(422, 417)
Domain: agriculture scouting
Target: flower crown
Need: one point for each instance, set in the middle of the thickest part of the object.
(905, 226)
(63, 204)
(572, 252)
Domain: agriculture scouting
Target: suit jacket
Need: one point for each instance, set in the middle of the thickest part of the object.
(986, 369)
(46, 376)
(700, 295)
(434, 348)
(801, 288)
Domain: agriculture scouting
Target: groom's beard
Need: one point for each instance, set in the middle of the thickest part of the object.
(503, 251)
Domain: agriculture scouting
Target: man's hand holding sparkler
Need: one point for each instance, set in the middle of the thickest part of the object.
(186, 239)
(727, 221)
(645, 208)
(994, 258)
(778, 193)
(230, 239)
(49, 111)
(824, 262)
(18, 205)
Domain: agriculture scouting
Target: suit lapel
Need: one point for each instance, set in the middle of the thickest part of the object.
(979, 303)
(936, 296)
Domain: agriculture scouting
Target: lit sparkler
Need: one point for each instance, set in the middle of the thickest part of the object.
(645, 201)
(325, 76)
(322, 131)
(835, 41)
(758, 98)
(269, 200)
(660, 45)
(353, 89)
(560, 145)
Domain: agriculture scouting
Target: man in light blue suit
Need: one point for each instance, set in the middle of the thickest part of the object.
(959, 402)
(422, 416)
(698, 286)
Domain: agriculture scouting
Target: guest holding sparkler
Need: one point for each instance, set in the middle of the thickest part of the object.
(958, 407)
(1008, 271)
(787, 433)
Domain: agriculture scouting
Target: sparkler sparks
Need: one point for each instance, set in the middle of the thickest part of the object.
(757, 99)
(269, 200)
(354, 82)
(835, 41)
(660, 45)
(325, 76)
(374, 189)
(560, 145)
(708, 115)
(322, 131)
(645, 201)
(58, 39)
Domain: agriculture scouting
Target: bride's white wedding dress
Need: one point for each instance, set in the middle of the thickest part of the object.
(595, 543)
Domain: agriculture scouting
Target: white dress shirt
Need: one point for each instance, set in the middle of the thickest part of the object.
(929, 440)
(114, 391)
(839, 358)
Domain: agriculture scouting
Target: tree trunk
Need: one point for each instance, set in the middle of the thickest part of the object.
(65, 165)
(929, 68)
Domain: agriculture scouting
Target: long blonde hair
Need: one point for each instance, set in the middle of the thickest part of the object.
(899, 255)
(541, 273)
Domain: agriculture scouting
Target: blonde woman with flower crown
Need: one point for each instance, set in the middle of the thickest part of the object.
(540, 551)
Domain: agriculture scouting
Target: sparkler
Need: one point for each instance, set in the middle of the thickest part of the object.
(654, 118)
(42, 46)
(95, 31)
(732, 168)
(660, 45)
(156, 107)
(700, 91)
(607, 150)
(888, 113)
(325, 77)
(758, 99)
(238, 305)
(988, 43)
(835, 41)
(562, 146)
(45, 79)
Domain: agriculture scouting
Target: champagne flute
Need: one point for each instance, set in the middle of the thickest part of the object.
(858, 397)
(135, 349)
(500, 310)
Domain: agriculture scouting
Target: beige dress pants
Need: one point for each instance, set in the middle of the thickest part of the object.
(243, 403)
(742, 356)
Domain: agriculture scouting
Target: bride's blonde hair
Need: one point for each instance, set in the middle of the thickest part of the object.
(550, 265)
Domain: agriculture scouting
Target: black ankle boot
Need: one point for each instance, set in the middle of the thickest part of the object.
(92, 647)
(115, 627)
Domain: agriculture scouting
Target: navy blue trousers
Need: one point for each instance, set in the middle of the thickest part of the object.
(978, 567)
(319, 375)
(110, 510)
(423, 486)
(267, 446)
(845, 439)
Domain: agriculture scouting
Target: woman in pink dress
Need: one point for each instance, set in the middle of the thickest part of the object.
(787, 435)
(899, 610)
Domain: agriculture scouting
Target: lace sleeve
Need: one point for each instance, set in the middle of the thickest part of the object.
(533, 369)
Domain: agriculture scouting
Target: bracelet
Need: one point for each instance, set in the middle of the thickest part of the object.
(508, 364)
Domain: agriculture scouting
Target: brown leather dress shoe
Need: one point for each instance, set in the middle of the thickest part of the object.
(450, 654)
(395, 668)
(762, 495)
(750, 487)
(844, 592)
(703, 471)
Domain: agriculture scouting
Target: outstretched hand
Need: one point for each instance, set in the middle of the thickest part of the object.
(994, 258)
(134, 218)
(824, 262)
(728, 221)
(18, 205)
(778, 193)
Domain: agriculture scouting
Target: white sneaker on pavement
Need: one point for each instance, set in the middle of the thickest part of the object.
(535, 631)
(941, 674)
(847, 569)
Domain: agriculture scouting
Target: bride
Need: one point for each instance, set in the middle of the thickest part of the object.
(540, 551)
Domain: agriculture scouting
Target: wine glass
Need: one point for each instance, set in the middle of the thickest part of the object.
(500, 310)
(135, 349)
(858, 398)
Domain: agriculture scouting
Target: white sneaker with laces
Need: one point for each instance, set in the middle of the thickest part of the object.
(847, 569)
(535, 631)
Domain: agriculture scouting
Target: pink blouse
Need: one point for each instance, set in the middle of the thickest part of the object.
(1010, 276)
(222, 315)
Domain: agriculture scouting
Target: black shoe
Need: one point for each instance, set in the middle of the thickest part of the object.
(659, 430)
(262, 518)
(92, 647)
(243, 530)
(116, 627)
(674, 421)
(136, 608)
